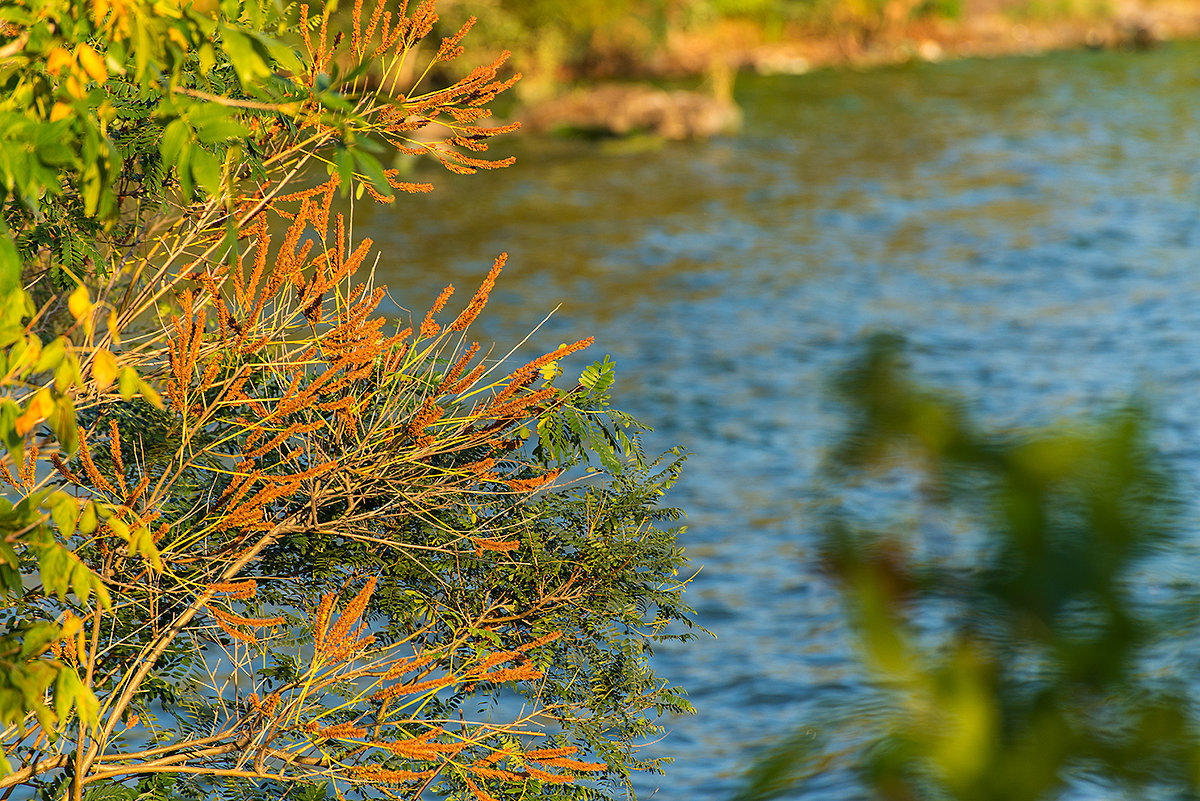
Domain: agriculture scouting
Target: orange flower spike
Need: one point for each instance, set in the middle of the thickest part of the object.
(493, 545)
(261, 249)
(350, 265)
(555, 355)
(423, 20)
(450, 48)
(320, 217)
(442, 298)
(540, 641)
(513, 408)
(375, 773)
(526, 672)
(198, 325)
(480, 795)
(55, 460)
(530, 484)
(468, 380)
(320, 625)
(480, 299)
(574, 764)
(371, 26)
(236, 633)
(492, 758)
(406, 666)
(497, 658)
(114, 450)
(387, 35)
(89, 466)
(378, 198)
(138, 489)
(29, 472)
(356, 27)
(252, 622)
(549, 778)
(496, 773)
(304, 29)
(427, 415)
(405, 186)
(457, 369)
(414, 687)
(240, 590)
(429, 328)
(351, 613)
(323, 54)
(343, 731)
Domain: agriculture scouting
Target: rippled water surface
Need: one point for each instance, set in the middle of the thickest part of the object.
(1031, 226)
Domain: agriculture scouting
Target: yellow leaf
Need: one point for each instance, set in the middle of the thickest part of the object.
(104, 368)
(88, 518)
(114, 329)
(59, 111)
(128, 381)
(70, 625)
(81, 647)
(74, 87)
(37, 409)
(175, 36)
(119, 527)
(92, 64)
(58, 58)
(149, 394)
(79, 303)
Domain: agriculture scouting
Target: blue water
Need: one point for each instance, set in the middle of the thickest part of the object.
(1029, 225)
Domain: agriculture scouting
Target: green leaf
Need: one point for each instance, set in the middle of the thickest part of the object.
(176, 138)
(69, 692)
(345, 168)
(214, 124)
(62, 421)
(64, 511)
(249, 54)
(206, 170)
(37, 639)
(51, 356)
(127, 382)
(369, 166)
(88, 519)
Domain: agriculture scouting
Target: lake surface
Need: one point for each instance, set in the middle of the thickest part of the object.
(1030, 225)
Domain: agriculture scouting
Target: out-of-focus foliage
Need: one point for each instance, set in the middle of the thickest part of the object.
(1020, 655)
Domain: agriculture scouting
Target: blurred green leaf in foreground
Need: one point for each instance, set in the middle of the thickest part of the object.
(1035, 653)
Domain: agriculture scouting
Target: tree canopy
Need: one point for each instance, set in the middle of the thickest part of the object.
(260, 539)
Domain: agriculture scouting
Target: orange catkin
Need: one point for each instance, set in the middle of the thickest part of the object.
(480, 299)
(343, 731)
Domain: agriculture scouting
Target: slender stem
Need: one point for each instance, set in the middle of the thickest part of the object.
(150, 655)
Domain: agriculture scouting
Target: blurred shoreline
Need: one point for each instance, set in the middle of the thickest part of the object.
(985, 29)
(599, 79)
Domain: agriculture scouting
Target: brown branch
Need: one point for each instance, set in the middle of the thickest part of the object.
(221, 100)
(243, 774)
(24, 774)
(15, 46)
